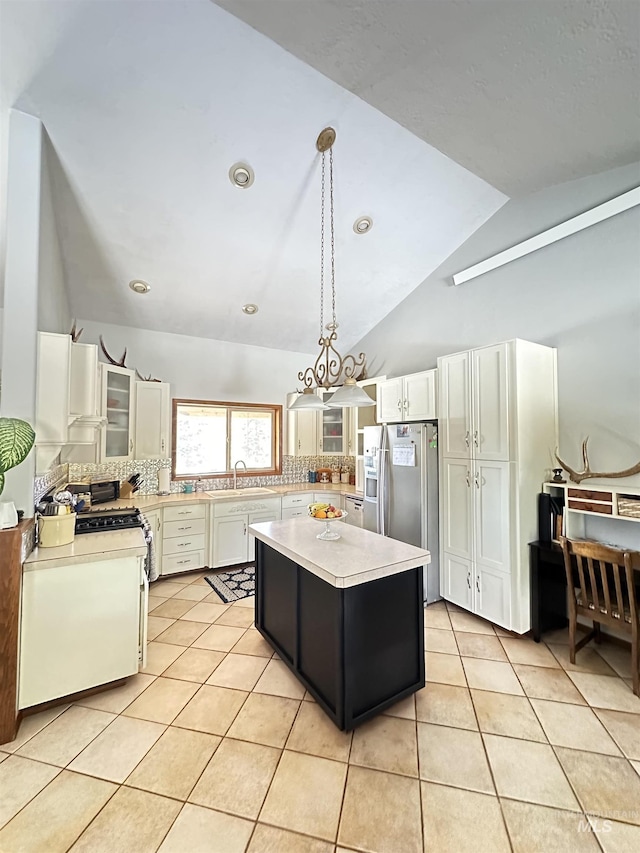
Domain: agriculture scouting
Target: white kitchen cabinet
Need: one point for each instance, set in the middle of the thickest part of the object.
(302, 430)
(408, 398)
(184, 538)
(66, 397)
(333, 429)
(82, 625)
(152, 420)
(497, 430)
(457, 586)
(154, 517)
(457, 507)
(118, 391)
(231, 542)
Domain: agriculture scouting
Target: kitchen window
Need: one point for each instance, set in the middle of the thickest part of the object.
(209, 437)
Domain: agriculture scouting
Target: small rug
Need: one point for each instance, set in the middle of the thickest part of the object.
(234, 584)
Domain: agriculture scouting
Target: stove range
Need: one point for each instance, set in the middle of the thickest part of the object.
(108, 520)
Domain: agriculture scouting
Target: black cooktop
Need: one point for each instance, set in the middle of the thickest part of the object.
(107, 520)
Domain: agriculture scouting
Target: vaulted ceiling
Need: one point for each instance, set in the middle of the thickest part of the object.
(438, 112)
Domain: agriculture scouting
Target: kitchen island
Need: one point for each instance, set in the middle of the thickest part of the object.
(345, 616)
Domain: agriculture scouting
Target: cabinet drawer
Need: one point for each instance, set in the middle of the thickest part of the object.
(587, 506)
(187, 526)
(182, 562)
(295, 512)
(301, 499)
(588, 495)
(225, 508)
(334, 498)
(178, 513)
(183, 543)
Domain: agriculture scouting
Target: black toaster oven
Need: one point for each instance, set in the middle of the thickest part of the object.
(101, 491)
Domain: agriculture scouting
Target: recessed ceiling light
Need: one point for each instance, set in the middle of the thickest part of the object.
(241, 175)
(363, 224)
(250, 308)
(139, 286)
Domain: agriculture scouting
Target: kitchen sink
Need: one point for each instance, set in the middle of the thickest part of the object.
(257, 490)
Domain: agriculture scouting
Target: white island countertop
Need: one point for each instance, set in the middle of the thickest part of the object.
(89, 548)
(359, 556)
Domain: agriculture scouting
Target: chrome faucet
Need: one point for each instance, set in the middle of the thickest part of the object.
(235, 472)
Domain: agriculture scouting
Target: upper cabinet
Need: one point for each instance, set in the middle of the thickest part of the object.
(474, 403)
(118, 387)
(333, 429)
(66, 401)
(408, 398)
(302, 430)
(152, 420)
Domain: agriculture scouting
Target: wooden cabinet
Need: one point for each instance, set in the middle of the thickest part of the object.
(152, 420)
(408, 398)
(118, 390)
(231, 542)
(497, 430)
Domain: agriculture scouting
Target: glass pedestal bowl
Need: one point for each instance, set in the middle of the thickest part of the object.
(328, 534)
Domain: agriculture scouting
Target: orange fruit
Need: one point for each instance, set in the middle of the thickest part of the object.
(321, 514)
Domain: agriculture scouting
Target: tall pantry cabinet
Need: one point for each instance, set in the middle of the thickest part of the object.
(497, 433)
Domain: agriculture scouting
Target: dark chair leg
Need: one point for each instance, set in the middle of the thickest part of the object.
(635, 664)
(572, 639)
(597, 636)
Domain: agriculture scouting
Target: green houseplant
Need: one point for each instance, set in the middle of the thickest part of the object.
(16, 440)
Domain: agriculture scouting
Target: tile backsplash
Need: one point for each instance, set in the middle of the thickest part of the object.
(294, 470)
(57, 476)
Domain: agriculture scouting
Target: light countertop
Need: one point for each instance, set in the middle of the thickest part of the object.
(359, 556)
(157, 501)
(89, 548)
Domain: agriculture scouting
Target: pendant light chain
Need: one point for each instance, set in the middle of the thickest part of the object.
(322, 205)
(333, 247)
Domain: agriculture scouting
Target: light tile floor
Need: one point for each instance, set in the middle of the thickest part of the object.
(216, 748)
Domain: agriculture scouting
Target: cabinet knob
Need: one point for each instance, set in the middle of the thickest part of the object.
(469, 579)
(162, 445)
(467, 438)
(468, 479)
(478, 583)
(475, 438)
(400, 405)
(476, 480)
(130, 445)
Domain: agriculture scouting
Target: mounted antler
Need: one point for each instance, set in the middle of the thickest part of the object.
(75, 334)
(146, 378)
(587, 474)
(120, 363)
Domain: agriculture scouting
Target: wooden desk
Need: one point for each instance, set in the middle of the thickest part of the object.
(549, 588)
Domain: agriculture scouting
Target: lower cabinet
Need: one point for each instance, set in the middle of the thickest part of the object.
(183, 539)
(481, 589)
(231, 542)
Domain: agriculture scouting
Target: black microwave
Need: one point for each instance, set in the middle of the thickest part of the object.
(101, 491)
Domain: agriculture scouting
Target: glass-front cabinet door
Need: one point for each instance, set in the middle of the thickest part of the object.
(117, 406)
(333, 430)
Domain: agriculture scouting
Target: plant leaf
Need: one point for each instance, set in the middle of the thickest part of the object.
(1, 482)
(16, 440)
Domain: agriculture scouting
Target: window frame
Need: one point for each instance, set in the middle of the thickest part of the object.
(276, 442)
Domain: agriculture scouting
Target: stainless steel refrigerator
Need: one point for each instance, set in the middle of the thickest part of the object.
(401, 489)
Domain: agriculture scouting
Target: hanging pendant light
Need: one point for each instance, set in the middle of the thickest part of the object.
(330, 369)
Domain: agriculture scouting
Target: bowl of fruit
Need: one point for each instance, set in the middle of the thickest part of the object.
(327, 512)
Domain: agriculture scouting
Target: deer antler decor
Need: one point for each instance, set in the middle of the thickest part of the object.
(75, 334)
(120, 363)
(148, 378)
(587, 474)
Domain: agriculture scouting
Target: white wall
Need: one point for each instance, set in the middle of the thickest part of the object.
(581, 295)
(200, 368)
(53, 301)
(20, 319)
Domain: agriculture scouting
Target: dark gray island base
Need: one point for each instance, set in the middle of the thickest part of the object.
(358, 649)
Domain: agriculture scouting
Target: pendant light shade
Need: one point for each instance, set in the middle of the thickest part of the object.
(308, 400)
(350, 396)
